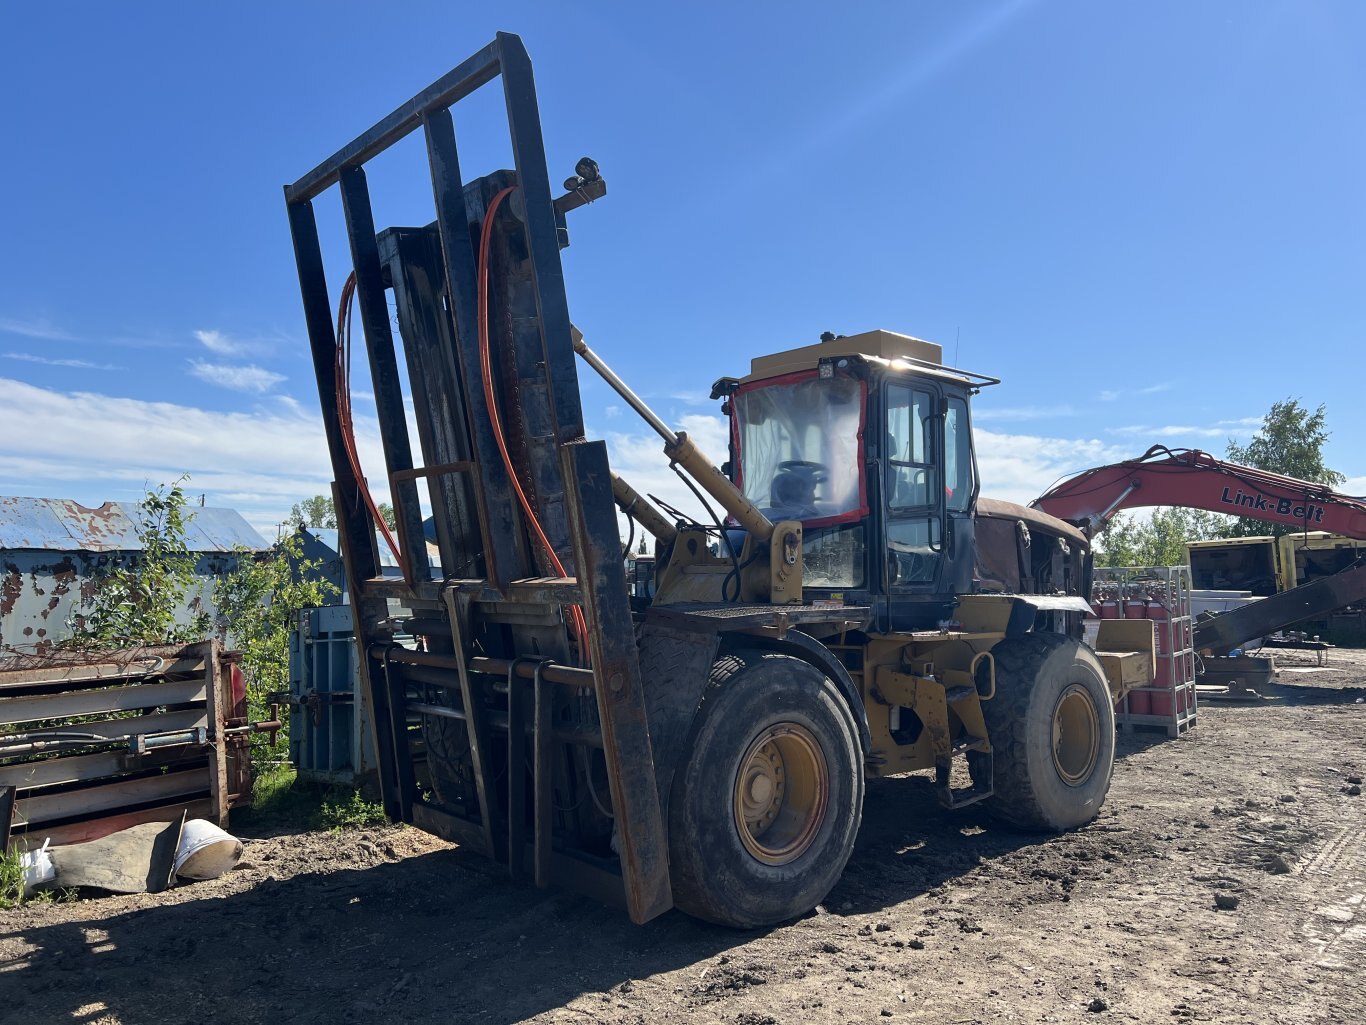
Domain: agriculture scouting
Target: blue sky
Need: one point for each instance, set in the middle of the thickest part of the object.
(1146, 218)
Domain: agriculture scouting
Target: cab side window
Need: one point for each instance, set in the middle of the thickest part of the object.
(908, 453)
(912, 479)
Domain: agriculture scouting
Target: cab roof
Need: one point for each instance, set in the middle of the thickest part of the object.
(887, 349)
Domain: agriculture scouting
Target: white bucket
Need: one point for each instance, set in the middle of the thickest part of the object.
(38, 868)
(205, 851)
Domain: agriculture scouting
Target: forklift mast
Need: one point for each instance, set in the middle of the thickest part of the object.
(522, 506)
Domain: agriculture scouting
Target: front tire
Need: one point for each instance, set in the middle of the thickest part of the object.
(763, 815)
(1052, 730)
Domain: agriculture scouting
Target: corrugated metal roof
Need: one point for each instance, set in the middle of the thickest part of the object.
(329, 536)
(61, 525)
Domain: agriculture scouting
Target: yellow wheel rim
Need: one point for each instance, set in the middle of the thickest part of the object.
(781, 793)
(1076, 735)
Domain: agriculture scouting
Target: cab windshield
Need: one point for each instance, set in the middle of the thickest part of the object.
(800, 447)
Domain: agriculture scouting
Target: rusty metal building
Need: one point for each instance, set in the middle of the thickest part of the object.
(54, 551)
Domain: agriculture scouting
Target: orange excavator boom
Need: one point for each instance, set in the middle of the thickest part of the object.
(1197, 480)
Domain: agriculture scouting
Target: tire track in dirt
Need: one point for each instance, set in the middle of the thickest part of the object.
(1335, 872)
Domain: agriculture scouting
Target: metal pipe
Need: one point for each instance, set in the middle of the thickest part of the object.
(264, 726)
(196, 737)
(719, 486)
(1109, 510)
(34, 743)
(622, 388)
(635, 505)
(681, 450)
(25, 747)
(499, 721)
(568, 676)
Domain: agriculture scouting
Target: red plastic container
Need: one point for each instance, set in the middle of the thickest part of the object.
(1140, 703)
(1162, 626)
(1163, 678)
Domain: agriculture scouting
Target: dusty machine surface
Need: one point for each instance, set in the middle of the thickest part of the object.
(854, 610)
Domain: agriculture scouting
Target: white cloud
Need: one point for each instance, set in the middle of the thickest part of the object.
(1243, 426)
(1017, 413)
(291, 404)
(38, 328)
(78, 364)
(92, 447)
(1151, 389)
(1354, 486)
(220, 344)
(237, 377)
(1167, 431)
(612, 412)
(691, 398)
(1020, 467)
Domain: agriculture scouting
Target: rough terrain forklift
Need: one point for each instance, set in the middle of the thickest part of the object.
(854, 609)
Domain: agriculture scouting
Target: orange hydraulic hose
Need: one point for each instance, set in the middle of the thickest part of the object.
(576, 618)
(348, 432)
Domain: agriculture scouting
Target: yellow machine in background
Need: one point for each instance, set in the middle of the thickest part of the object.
(1234, 564)
(1267, 565)
(1303, 558)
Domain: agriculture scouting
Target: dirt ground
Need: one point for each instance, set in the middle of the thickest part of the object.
(941, 917)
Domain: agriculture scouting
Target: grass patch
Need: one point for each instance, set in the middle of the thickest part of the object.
(343, 809)
(282, 802)
(11, 881)
(12, 886)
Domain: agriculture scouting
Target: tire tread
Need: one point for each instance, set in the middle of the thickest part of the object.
(1019, 664)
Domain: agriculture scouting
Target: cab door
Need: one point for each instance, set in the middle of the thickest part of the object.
(928, 488)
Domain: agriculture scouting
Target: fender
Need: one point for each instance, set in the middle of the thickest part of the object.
(808, 649)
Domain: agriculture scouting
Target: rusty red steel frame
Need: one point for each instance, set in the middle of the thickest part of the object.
(92, 743)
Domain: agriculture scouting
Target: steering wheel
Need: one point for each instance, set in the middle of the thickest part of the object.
(803, 464)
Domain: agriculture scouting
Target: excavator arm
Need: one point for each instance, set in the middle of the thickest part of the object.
(1196, 480)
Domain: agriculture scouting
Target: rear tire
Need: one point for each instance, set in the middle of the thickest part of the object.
(1052, 730)
(763, 815)
(449, 769)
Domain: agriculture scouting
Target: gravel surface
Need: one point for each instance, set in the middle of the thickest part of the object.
(1225, 881)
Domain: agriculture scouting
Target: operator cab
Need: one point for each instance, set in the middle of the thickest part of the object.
(866, 440)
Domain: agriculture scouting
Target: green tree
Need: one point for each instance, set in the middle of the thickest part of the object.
(140, 600)
(257, 605)
(319, 511)
(314, 512)
(1290, 442)
(1159, 540)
